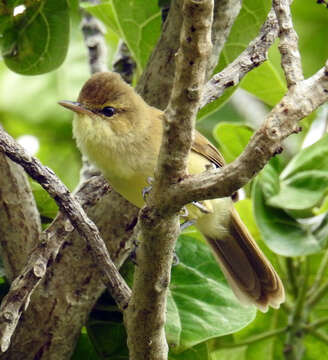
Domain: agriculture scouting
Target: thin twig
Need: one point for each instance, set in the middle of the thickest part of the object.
(123, 63)
(288, 45)
(294, 347)
(290, 265)
(250, 58)
(320, 274)
(318, 295)
(93, 31)
(254, 339)
(224, 15)
(316, 324)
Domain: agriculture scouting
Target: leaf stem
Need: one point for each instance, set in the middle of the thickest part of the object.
(320, 274)
(317, 295)
(320, 335)
(256, 338)
(290, 265)
(316, 324)
(294, 347)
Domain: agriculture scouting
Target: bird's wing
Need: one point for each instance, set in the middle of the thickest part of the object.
(203, 147)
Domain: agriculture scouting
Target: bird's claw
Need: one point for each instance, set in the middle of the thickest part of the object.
(176, 260)
(186, 224)
(146, 190)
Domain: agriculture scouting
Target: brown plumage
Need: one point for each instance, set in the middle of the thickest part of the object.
(121, 135)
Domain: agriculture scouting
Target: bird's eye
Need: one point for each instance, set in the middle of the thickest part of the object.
(108, 111)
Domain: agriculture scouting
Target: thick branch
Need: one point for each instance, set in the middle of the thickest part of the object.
(155, 84)
(72, 284)
(19, 221)
(282, 121)
(74, 211)
(145, 315)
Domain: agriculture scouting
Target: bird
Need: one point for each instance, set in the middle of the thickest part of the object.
(121, 135)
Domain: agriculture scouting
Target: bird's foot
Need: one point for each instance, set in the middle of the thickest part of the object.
(146, 190)
(186, 224)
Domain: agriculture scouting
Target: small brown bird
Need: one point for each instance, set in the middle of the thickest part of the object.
(121, 135)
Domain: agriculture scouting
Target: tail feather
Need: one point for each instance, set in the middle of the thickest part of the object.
(248, 271)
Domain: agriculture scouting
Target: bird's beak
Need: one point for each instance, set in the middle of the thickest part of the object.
(76, 107)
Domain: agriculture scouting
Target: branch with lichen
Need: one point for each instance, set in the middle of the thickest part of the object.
(11, 308)
(253, 56)
(57, 322)
(282, 121)
(288, 44)
(145, 316)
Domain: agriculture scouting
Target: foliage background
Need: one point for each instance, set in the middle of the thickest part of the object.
(204, 320)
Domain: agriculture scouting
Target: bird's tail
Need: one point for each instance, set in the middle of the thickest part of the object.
(248, 271)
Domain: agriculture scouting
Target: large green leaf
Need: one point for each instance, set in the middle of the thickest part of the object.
(282, 233)
(314, 157)
(232, 139)
(38, 39)
(201, 304)
(304, 182)
(133, 21)
(301, 192)
(265, 82)
(268, 349)
(310, 20)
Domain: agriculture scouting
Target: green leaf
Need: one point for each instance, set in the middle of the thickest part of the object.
(265, 82)
(281, 232)
(198, 352)
(246, 27)
(232, 139)
(201, 304)
(84, 349)
(314, 157)
(137, 24)
(46, 205)
(304, 181)
(109, 339)
(302, 191)
(38, 40)
(310, 21)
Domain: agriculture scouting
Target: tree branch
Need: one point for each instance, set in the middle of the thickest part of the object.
(20, 226)
(320, 275)
(145, 315)
(288, 46)
(93, 33)
(225, 13)
(60, 304)
(10, 312)
(253, 56)
(156, 82)
(300, 101)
